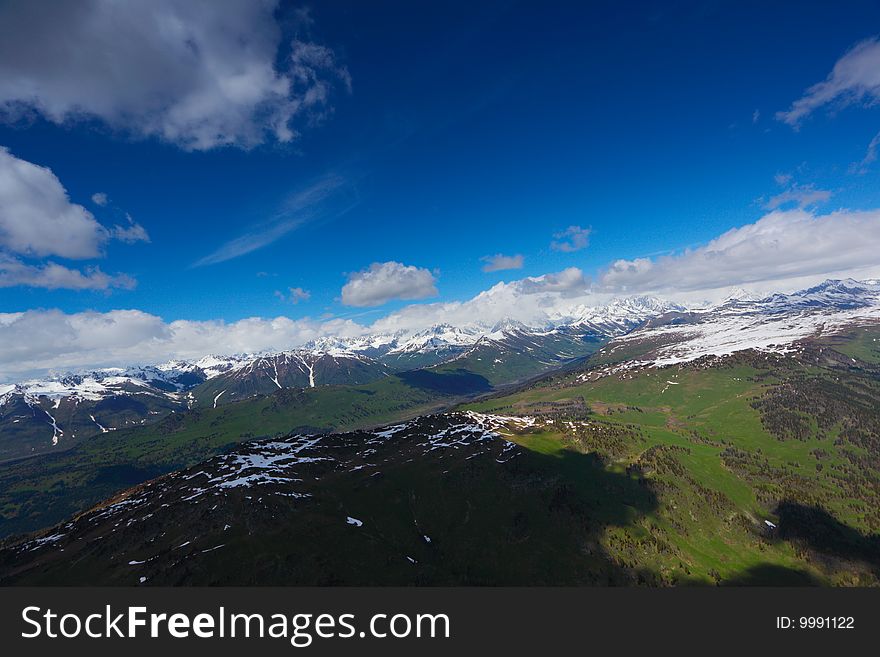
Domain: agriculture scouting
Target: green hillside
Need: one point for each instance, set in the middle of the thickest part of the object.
(727, 447)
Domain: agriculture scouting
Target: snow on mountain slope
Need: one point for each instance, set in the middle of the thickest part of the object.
(442, 336)
(773, 324)
(96, 385)
(619, 315)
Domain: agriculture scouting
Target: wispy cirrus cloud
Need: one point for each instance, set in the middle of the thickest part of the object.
(870, 157)
(855, 78)
(782, 178)
(328, 197)
(799, 196)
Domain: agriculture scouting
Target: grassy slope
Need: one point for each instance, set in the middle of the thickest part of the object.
(708, 525)
(862, 343)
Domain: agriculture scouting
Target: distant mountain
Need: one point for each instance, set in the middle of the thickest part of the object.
(292, 369)
(38, 416)
(514, 353)
(777, 323)
(617, 317)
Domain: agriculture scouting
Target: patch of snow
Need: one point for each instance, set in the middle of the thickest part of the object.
(217, 396)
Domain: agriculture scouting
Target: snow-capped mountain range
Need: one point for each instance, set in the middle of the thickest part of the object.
(659, 332)
(620, 317)
(773, 324)
(441, 341)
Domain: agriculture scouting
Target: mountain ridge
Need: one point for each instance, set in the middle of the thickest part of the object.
(644, 330)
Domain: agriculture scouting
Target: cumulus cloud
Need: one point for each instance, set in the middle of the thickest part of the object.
(534, 299)
(294, 295)
(382, 282)
(800, 196)
(40, 340)
(782, 245)
(177, 70)
(855, 78)
(573, 238)
(569, 281)
(130, 233)
(100, 198)
(37, 217)
(53, 276)
(500, 262)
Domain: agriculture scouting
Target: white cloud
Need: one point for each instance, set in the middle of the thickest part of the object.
(500, 262)
(40, 340)
(100, 198)
(573, 238)
(530, 300)
(131, 233)
(382, 282)
(53, 276)
(294, 295)
(37, 217)
(799, 196)
(179, 70)
(781, 246)
(855, 78)
(36, 341)
(568, 282)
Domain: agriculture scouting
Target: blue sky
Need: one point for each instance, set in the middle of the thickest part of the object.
(444, 134)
